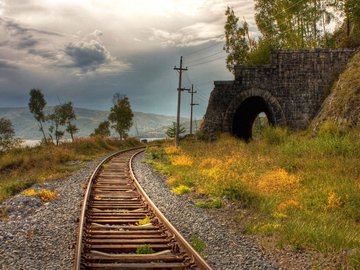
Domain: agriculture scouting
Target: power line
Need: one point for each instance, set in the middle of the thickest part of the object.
(192, 62)
(203, 49)
(199, 64)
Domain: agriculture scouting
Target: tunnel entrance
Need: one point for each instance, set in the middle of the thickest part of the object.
(244, 118)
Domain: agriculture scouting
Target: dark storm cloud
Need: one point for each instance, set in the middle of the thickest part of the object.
(7, 65)
(43, 53)
(16, 29)
(22, 38)
(88, 56)
(26, 42)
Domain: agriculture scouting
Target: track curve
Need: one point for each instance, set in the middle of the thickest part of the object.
(121, 228)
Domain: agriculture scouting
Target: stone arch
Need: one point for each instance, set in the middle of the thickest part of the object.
(243, 109)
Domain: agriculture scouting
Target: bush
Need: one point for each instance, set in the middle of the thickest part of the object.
(7, 134)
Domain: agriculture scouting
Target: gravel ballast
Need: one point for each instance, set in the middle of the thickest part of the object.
(225, 250)
(38, 235)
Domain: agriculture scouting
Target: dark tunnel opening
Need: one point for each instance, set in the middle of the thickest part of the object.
(246, 114)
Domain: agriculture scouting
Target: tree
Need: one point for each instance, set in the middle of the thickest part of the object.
(6, 134)
(102, 130)
(62, 116)
(348, 35)
(121, 115)
(36, 106)
(291, 24)
(56, 119)
(171, 131)
(238, 43)
(68, 115)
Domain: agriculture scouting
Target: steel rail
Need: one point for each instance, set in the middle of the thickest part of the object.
(79, 244)
(199, 261)
(113, 203)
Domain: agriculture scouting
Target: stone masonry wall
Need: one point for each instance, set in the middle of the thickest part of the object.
(298, 80)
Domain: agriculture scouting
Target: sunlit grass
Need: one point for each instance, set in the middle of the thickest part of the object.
(20, 168)
(181, 190)
(302, 189)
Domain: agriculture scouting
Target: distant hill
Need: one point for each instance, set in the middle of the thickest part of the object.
(148, 124)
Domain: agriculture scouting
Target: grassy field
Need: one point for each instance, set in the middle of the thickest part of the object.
(22, 167)
(302, 191)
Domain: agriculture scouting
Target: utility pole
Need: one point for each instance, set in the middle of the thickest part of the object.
(192, 104)
(180, 69)
(137, 130)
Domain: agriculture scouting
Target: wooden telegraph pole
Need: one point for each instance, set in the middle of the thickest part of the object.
(192, 104)
(180, 69)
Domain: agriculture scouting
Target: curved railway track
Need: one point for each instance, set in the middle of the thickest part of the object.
(111, 229)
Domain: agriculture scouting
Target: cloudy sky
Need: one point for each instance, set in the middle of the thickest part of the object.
(84, 51)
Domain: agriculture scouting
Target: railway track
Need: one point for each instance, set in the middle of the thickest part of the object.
(120, 228)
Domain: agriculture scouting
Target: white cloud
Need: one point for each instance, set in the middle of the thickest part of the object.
(2, 7)
(204, 23)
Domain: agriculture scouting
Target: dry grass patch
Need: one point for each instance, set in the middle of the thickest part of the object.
(302, 190)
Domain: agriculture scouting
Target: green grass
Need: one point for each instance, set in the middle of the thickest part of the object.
(216, 203)
(22, 167)
(144, 249)
(198, 244)
(302, 190)
(180, 190)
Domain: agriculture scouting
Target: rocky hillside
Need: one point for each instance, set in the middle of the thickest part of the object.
(342, 106)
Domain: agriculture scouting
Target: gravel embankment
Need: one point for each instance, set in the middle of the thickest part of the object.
(225, 250)
(39, 235)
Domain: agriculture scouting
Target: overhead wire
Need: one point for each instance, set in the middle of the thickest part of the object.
(202, 49)
(194, 61)
(206, 62)
(199, 96)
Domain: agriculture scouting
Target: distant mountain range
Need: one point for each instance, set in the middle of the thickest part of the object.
(146, 125)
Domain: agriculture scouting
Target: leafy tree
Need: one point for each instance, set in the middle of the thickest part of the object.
(291, 24)
(7, 134)
(68, 115)
(348, 35)
(171, 131)
(102, 130)
(56, 119)
(238, 43)
(36, 106)
(62, 116)
(121, 115)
